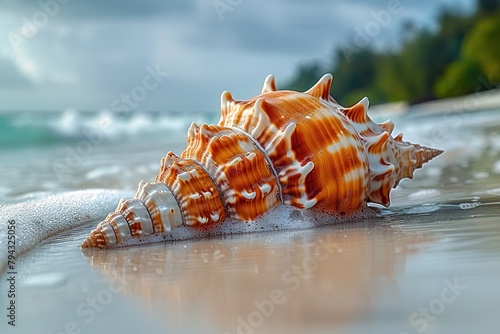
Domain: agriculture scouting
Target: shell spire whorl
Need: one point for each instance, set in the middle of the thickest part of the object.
(391, 159)
(413, 157)
(280, 147)
(94, 240)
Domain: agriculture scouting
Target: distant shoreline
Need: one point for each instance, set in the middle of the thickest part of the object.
(486, 100)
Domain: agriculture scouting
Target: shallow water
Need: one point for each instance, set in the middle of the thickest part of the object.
(429, 264)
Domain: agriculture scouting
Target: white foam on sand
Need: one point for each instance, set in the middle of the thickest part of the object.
(279, 218)
(37, 220)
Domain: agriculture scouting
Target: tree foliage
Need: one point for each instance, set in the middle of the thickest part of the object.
(452, 60)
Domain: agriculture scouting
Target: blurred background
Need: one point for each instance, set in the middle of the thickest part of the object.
(58, 54)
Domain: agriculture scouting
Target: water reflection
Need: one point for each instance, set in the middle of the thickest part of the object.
(324, 278)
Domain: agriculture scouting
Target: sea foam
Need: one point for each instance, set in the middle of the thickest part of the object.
(37, 220)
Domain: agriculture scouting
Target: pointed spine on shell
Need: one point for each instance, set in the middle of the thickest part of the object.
(299, 149)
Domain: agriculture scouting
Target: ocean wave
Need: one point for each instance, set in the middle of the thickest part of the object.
(32, 128)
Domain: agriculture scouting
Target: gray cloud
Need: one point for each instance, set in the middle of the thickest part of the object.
(93, 51)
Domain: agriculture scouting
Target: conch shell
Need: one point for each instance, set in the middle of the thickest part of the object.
(281, 147)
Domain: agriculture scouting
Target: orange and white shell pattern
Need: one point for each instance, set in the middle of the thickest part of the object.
(281, 147)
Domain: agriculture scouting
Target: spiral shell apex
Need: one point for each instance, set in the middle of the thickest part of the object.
(279, 148)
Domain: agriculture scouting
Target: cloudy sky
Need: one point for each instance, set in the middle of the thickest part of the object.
(93, 54)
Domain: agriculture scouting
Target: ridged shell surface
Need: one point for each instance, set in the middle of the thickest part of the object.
(279, 148)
